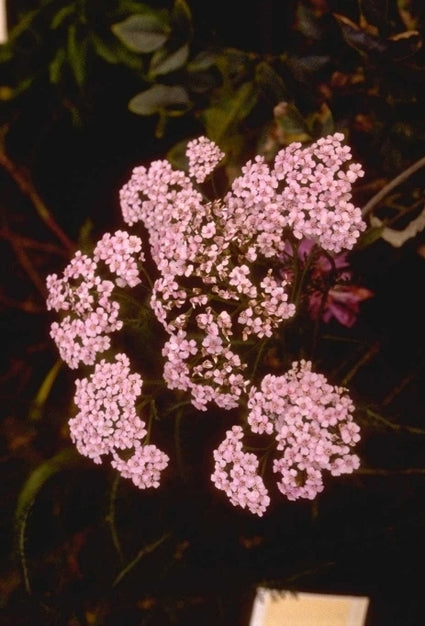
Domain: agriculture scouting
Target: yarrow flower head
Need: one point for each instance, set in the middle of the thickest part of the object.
(235, 473)
(204, 156)
(107, 418)
(313, 426)
(107, 422)
(118, 251)
(222, 280)
(92, 314)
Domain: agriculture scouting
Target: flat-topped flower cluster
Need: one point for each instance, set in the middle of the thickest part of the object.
(222, 286)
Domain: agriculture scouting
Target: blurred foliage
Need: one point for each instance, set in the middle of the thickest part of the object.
(133, 80)
(361, 62)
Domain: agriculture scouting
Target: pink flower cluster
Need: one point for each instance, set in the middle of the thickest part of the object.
(222, 284)
(208, 255)
(92, 314)
(235, 473)
(86, 297)
(204, 156)
(313, 426)
(143, 467)
(107, 422)
(118, 252)
(214, 375)
(107, 416)
(317, 192)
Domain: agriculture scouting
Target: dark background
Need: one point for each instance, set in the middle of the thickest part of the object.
(197, 559)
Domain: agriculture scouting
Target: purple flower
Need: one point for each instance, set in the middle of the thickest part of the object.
(342, 303)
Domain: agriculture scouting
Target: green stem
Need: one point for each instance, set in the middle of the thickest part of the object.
(145, 550)
(147, 276)
(384, 472)
(299, 278)
(259, 354)
(44, 390)
(23, 558)
(111, 517)
(397, 427)
(177, 406)
(265, 459)
(373, 350)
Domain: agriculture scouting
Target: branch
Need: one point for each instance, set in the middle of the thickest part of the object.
(25, 184)
(412, 430)
(376, 199)
(33, 244)
(145, 550)
(28, 306)
(28, 266)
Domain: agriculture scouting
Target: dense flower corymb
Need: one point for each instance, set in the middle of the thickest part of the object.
(91, 314)
(235, 472)
(203, 156)
(313, 425)
(228, 278)
(107, 422)
(107, 418)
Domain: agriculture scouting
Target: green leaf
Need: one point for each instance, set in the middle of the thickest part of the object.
(181, 19)
(61, 15)
(163, 63)
(395, 47)
(177, 156)
(369, 237)
(159, 98)
(44, 391)
(201, 62)
(114, 52)
(8, 93)
(105, 51)
(236, 66)
(360, 39)
(308, 23)
(291, 124)
(56, 66)
(24, 25)
(321, 122)
(271, 82)
(182, 11)
(65, 459)
(77, 54)
(6, 52)
(142, 32)
(202, 75)
(227, 113)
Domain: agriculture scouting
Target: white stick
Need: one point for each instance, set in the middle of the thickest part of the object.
(3, 22)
